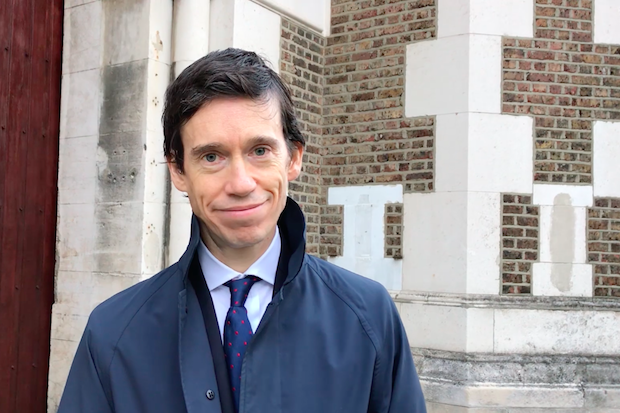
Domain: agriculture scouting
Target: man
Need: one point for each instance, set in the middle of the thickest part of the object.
(245, 321)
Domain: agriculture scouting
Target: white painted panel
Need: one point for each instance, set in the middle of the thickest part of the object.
(315, 13)
(501, 18)
(363, 232)
(606, 18)
(606, 158)
(435, 242)
(557, 332)
(559, 279)
(575, 195)
(437, 76)
(257, 29)
(483, 243)
(563, 235)
(485, 74)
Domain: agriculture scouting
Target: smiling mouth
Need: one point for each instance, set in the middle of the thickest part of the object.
(243, 208)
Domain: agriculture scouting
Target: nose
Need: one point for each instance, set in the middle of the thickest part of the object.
(241, 182)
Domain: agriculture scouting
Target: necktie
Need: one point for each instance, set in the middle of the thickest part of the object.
(237, 331)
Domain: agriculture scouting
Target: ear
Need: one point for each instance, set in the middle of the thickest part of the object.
(177, 177)
(294, 167)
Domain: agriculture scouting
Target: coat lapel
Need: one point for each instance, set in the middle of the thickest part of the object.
(195, 359)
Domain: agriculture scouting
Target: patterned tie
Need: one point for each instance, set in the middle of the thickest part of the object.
(237, 331)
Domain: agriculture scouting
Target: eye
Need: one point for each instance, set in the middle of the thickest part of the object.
(262, 151)
(211, 157)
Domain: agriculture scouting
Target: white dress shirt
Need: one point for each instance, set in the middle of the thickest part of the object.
(217, 274)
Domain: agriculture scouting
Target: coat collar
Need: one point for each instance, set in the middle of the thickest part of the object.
(292, 229)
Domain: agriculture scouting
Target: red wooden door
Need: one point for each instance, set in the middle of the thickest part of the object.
(30, 67)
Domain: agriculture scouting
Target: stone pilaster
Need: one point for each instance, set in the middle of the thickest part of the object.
(112, 178)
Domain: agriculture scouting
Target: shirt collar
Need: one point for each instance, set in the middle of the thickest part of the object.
(217, 273)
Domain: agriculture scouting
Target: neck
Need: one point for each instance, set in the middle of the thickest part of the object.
(239, 259)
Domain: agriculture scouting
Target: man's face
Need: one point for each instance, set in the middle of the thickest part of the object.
(236, 171)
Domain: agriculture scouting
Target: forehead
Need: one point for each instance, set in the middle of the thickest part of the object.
(234, 118)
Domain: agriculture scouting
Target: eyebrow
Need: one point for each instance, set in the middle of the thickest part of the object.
(197, 151)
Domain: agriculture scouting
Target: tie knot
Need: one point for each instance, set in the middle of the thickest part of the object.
(239, 290)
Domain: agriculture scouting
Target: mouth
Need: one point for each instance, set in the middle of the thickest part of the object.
(242, 211)
(243, 208)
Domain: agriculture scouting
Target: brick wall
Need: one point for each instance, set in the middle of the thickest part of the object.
(604, 246)
(301, 67)
(519, 242)
(349, 93)
(367, 137)
(393, 229)
(566, 82)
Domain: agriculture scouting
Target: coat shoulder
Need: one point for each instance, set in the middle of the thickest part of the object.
(368, 299)
(109, 320)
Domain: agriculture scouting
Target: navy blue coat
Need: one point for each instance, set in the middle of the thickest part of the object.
(330, 341)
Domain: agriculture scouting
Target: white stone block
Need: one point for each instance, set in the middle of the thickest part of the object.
(315, 14)
(471, 330)
(606, 157)
(61, 354)
(180, 226)
(483, 243)
(603, 397)
(363, 232)
(77, 171)
(126, 30)
(426, 326)
(82, 38)
(573, 195)
(481, 397)
(453, 75)
(606, 18)
(79, 109)
(435, 242)
(452, 156)
(75, 237)
(160, 30)
(561, 279)
(191, 31)
(451, 242)
(526, 396)
(514, 18)
(484, 152)
(563, 235)
(557, 332)
(258, 29)
(153, 228)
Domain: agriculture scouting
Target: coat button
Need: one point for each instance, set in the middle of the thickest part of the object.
(210, 394)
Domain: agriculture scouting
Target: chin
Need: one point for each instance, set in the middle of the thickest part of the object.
(245, 238)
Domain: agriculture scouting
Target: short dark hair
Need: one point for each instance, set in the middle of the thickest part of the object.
(224, 73)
